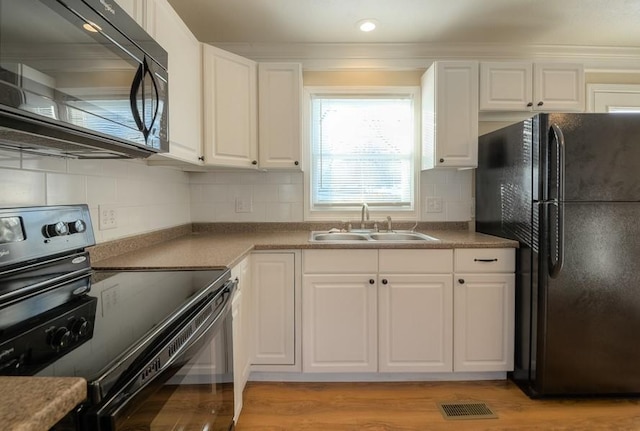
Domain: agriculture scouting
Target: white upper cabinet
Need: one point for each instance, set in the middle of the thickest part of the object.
(450, 115)
(185, 81)
(526, 86)
(135, 9)
(279, 115)
(230, 109)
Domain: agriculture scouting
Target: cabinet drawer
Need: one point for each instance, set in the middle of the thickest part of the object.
(416, 261)
(485, 260)
(340, 261)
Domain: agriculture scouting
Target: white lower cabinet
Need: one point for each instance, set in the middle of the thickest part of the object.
(370, 310)
(339, 323)
(414, 322)
(242, 331)
(484, 298)
(411, 311)
(238, 384)
(275, 311)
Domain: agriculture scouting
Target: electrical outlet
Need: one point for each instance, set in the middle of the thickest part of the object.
(243, 205)
(434, 205)
(108, 217)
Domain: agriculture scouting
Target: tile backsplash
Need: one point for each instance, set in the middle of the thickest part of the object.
(145, 198)
(454, 188)
(247, 196)
(149, 198)
(278, 196)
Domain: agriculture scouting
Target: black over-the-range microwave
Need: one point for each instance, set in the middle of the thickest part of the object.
(80, 79)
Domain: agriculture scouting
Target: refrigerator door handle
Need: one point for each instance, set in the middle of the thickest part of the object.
(556, 267)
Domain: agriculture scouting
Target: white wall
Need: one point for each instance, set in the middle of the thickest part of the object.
(146, 198)
(278, 196)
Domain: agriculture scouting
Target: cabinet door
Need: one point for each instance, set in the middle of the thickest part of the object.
(339, 323)
(238, 353)
(243, 339)
(483, 336)
(185, 82)
(135, 9)
(230, 109)
(415, 323)
(558, 87)
(273, 284)
(506, 86)
(450, 115)
(279, 115)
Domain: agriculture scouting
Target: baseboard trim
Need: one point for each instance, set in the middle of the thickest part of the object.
(373, 377)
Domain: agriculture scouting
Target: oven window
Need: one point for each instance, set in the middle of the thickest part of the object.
(197, 394)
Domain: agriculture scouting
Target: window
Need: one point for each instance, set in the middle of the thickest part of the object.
(362, 149)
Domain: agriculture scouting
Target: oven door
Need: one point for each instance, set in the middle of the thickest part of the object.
(191, 391)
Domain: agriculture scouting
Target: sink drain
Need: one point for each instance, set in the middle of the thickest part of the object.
(466, 410)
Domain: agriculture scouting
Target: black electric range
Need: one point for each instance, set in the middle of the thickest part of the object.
(119, 330)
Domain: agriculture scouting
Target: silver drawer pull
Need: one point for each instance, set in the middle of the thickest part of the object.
(485, 260)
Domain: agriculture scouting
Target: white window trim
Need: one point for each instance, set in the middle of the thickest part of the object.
(380, 215)
(608, 91)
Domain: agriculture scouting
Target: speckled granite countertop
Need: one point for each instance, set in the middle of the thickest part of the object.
(214, 249)
(38, 403)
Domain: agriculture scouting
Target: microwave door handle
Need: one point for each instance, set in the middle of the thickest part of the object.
(556, 267)
(133, 97)
(156, 99)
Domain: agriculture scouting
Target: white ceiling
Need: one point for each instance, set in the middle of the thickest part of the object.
(600, 23)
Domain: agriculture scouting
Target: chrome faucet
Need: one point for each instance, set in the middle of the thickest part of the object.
(365, 213)
(389, 224)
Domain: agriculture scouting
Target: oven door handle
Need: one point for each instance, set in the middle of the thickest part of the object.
(167, 356)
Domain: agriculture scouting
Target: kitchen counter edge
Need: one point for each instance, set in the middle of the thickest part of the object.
(38, 403)
(217, 250)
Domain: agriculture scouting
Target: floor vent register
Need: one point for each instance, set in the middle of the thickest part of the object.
(466, 410)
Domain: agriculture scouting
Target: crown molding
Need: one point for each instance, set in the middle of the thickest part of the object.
(399, 56)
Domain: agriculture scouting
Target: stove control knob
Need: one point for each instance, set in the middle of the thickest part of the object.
(80, 327)
(77, 226)
(59, 338)
(58, 229)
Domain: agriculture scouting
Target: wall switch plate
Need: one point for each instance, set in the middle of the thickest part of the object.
(243, 205)
(434, 205)
(108, 217)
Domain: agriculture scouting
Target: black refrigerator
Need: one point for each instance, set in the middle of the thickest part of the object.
(567, 187)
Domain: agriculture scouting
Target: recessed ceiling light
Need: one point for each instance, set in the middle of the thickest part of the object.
(367, 25)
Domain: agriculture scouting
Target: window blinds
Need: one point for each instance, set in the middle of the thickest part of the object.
(362, 150)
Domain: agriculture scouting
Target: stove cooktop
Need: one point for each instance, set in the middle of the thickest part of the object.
(127, 306)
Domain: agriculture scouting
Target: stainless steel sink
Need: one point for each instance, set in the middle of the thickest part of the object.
(337, 236)
(401, 236)
(396, 236)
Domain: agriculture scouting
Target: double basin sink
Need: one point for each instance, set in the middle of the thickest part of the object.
(360, 236)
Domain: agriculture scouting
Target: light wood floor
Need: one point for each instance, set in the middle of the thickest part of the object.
(412, 406)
